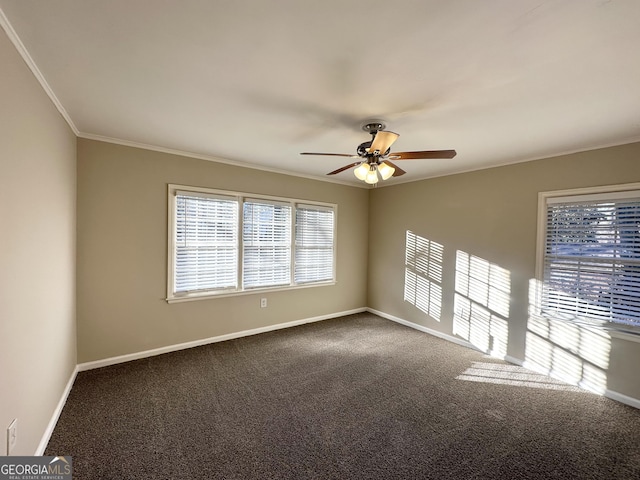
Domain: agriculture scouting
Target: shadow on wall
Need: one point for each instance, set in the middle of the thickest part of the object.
(563, 350)
(481, 303)
(423, 274)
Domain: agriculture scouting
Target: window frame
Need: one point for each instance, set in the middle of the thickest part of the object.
(174, 189)
(604, 192)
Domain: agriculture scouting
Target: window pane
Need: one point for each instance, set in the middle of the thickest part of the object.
(206, 256)
(592, 260)
(266, 237)
(314, 245)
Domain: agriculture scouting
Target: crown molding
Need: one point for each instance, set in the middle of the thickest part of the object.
(211, 158)
(15, 39)
(620, 143)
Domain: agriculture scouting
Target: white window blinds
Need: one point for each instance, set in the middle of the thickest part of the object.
(206, 251)
(266, 238)
(314, 244)
(592, 259)
(224, 243)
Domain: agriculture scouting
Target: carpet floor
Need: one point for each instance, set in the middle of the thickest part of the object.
(358, 397)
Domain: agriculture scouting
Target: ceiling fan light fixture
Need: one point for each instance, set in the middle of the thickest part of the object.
(361, 171)
(386, 170)
(372, 175)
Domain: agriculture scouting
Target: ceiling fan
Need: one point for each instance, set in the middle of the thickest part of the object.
(375, 157)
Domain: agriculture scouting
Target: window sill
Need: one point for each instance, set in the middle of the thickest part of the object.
(222, 294)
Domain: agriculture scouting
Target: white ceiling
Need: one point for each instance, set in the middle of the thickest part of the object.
(257, 82)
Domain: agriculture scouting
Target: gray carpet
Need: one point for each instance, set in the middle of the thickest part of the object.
(357, 397)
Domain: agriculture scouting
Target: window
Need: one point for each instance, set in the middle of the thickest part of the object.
(226, 243)
(266, 244)
(591, 257)
(314, 244)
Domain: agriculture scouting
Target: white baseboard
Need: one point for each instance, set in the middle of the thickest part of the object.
(613, 395)
(514, 360)
(56, 414)
(430, 331)
(158, 351)
(205, 341)
(632, 402)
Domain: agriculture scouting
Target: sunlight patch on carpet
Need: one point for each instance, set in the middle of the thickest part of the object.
(486, 372)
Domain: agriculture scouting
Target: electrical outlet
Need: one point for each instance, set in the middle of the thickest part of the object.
(263, 303)
(12, 436)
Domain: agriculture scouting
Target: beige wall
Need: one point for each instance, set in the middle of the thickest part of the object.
(122, 252)
(37, 253)
(492, 215)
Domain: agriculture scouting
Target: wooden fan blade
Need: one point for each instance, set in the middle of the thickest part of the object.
(331, 154)
(342, 169)
(398, 171)
(422, 155)
(382, 141)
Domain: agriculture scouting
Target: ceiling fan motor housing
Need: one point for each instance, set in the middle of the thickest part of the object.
(362, 149)
(364, 153)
